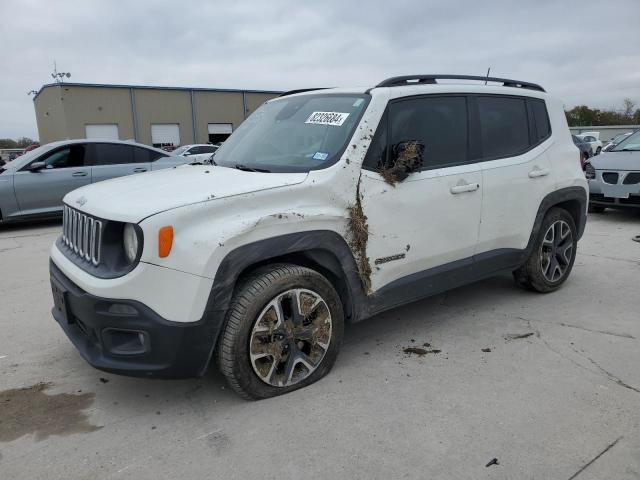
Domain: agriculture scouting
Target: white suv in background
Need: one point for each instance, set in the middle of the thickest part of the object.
(325, 206)
(593, 139)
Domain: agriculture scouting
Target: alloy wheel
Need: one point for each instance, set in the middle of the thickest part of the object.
(290, 337)
(556, 251)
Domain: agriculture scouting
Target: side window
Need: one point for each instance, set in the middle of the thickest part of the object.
(196, 150)
(142, 155)
(440, 123)
(208, 149)
(112, 154)
(504, 129)
(72, 156)
(589, 139)
(540, 118)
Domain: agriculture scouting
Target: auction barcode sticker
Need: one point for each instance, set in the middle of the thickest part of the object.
(327, 118)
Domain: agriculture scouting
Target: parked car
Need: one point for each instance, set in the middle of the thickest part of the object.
(614, 176)
(593, 139)
(323, 207)
(33, 185)
(615, 141)
(585, 150)
(196, 153)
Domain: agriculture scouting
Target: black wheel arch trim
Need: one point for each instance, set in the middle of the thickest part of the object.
(558, 198)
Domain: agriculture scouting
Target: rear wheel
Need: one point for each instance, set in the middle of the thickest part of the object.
(283, 331)
(553, 254)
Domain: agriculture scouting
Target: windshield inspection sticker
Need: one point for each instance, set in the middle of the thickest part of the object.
(320, 156)
(327, 118)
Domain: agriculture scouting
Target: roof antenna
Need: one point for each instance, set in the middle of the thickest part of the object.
(487, 78)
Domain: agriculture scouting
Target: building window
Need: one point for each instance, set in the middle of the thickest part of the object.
(219, 132)
(107, 131)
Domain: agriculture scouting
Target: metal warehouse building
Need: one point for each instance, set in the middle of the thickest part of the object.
(158, 116)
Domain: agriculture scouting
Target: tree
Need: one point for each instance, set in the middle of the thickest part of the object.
(23, 142)
(628, 106)
(8, 143)
(582, 115)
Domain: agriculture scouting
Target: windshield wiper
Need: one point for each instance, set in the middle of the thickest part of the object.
(629, 150)
(244, 168)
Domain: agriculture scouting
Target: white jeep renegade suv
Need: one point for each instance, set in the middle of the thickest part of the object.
(325, 206)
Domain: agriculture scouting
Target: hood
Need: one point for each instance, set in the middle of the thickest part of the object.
(135, 197)
(616, 161)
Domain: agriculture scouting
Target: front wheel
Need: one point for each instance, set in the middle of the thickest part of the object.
(553, 254)
(598, 150)
(283, 331)
(596, 209)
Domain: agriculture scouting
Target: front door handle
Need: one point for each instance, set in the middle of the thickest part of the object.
(139, 170)
(539, 172)
(79, 174)
(467, 187)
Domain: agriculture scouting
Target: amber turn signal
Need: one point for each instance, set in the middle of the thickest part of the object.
(165, 241)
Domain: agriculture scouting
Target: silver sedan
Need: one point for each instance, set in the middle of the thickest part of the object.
(32, 186)
(614, 176)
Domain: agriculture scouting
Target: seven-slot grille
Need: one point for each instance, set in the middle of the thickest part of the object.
(82, 234)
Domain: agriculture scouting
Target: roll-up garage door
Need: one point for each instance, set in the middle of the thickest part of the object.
(102, 132)
(165, 134)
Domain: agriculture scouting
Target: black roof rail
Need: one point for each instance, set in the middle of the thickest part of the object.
(302, 90)
(431, 79)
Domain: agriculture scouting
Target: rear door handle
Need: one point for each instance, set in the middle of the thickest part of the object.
(467, 187)
(79, 174)
(538, 172)
(139, 170)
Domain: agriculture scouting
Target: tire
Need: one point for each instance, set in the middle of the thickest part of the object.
(551, 248)
(599, 149)
(596, 209)
(255, 348)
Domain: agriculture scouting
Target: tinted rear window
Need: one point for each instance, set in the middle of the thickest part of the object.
(504, 128)
(112, 154)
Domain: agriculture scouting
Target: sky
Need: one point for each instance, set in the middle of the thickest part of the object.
(584, 52)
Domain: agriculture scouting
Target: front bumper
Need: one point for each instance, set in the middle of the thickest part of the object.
(127, 337)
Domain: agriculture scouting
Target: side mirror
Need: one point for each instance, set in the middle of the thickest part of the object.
(37, 166)
(406, 157)
(187, 154)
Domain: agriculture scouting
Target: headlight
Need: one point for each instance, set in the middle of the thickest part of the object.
(130, 242)
(589, 171)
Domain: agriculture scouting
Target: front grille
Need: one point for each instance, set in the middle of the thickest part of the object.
(632, 178)
(610, 177)
(82, 234)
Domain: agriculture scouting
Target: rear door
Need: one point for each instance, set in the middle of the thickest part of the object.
(516, 171)
(41, 192)
(111, 160)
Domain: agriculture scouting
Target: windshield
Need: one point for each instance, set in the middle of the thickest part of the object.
(294, 134)
(631, 143)
(180, 150)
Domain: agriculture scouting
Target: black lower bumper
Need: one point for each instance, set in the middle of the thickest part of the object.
(127, 337)
(633, 201)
